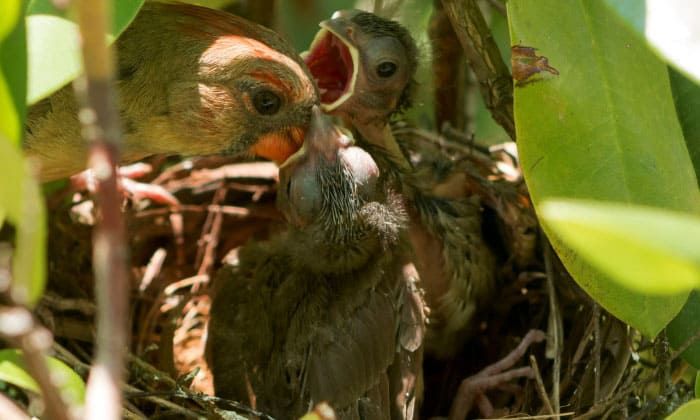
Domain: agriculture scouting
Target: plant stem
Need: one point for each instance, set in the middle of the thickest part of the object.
(101, 129)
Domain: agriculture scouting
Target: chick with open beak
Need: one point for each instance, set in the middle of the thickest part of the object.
(320, 312)
(363, 65)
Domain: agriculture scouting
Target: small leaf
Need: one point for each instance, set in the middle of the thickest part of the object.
(54, 55)
(22, 203)
(53, 42)
(652, 251)
(688, 411)
(13, 370)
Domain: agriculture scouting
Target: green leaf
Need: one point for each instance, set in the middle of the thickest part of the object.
(9, 14)
(13, 370)
(684, 326)
(671, 27)
(688, 411)
(686, 96)
(649, 250)
(54, 50)
(22, 203)
(12, 70)
(486, 130)
(697, 385)
(604, 129)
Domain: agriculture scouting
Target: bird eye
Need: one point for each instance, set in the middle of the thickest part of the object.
(386, 69)
(266, 102)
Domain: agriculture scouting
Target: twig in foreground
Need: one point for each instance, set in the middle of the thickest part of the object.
(99, 119)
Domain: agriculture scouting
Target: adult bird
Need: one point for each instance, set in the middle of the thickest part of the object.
(191, 81)
(321, 311)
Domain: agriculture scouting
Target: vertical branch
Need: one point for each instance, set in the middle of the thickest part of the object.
(100, 128)
(485, 60)
(448, 69)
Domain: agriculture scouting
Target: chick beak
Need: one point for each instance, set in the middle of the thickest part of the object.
(323, 139)
(334, 60)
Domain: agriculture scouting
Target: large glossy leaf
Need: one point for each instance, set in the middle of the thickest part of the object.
(54, 50)
(645, 249)
(13, 370)
(686, 96)
(672, 28)
(604, 129)
(12, 64)
(688, 411)
(486, 130)
(684, 327)
(648, 250)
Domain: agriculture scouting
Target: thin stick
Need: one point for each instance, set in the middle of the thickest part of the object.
(155, 264)
(597, 344)
(556, 325)
(544, 416)
(540, 385)
(100, 127)
(34, 340)
(685, 345)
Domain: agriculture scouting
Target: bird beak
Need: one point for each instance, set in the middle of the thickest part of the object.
(334, 60)
(323, 138)
(279, 146)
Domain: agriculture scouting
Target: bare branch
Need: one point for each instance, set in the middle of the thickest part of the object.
(100, 128)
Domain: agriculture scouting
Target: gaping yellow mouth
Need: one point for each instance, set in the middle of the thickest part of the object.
(333, 62)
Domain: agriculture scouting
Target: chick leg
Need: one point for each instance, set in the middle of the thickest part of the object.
(473, 389)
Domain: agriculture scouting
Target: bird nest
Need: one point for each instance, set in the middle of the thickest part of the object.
(590, 364)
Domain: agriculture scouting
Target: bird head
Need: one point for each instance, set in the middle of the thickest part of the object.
(363, 65)
(330, 192)
(232, 86)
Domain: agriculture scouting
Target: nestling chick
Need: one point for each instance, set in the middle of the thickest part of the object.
(192, 81)
(364, 66)
(321, 312)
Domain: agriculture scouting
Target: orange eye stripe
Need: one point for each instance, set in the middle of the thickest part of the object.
(271, 79)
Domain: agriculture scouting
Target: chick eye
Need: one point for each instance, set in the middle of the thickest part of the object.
(266, 102)
(386, 69)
